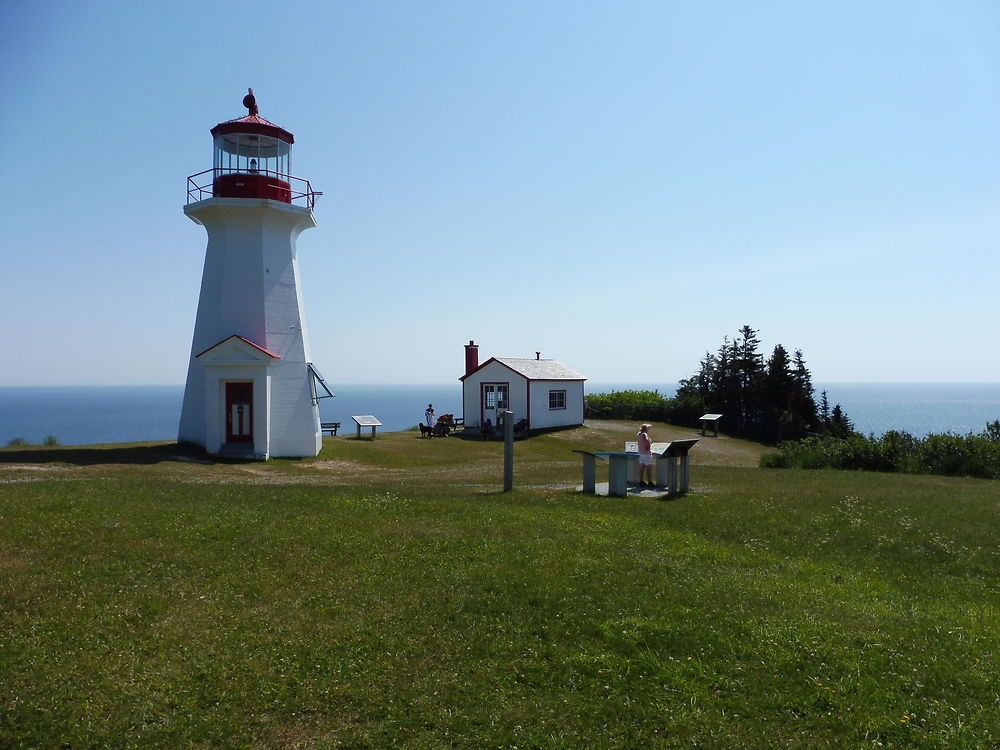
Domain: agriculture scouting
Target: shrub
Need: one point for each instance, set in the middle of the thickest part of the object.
(651, 405)
(947, 454)
(778, 460)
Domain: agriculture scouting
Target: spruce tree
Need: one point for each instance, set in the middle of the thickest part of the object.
(804, 404)
(749, 366)
(772, 399)
(840, 425)
(777, 394)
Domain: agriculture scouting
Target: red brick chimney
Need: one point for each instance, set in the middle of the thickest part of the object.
(471, 356)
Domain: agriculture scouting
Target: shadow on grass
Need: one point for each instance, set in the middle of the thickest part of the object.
(126, 454)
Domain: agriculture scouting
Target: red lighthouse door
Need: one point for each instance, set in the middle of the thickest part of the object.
(239, 412)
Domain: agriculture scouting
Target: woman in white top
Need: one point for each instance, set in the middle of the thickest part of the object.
(645, 456)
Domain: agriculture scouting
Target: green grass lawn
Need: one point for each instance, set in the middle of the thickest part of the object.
(387, 594)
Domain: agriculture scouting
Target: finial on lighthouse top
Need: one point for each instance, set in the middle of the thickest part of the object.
(250, 102)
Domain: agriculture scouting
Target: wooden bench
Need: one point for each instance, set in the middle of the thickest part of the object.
(330, 427)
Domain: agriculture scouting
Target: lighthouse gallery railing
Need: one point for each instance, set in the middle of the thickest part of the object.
(202, 185)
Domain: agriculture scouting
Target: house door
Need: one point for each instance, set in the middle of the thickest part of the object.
(495, 400)
(239, 412)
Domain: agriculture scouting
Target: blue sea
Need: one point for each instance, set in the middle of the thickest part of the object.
(85, 415)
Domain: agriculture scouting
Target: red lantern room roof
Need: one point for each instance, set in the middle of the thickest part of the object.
(253, 123)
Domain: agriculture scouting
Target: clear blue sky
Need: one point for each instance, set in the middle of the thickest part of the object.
(616, 184)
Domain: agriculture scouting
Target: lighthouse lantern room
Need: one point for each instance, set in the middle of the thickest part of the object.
(251, 388)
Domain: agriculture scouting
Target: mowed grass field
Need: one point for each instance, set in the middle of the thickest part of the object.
(388, 594)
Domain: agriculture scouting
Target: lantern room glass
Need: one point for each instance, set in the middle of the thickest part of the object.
(251, 153)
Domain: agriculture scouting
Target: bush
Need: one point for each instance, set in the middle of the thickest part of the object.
(946, 454)
(651, 405)
(18, 442)
(777, 460)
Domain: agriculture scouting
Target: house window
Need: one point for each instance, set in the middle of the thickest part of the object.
(495, 396)
(557, 399)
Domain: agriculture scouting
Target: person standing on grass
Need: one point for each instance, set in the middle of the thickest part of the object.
(429, 415)
(645, 456)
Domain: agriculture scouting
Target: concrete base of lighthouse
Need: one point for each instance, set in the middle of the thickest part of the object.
(250, 392)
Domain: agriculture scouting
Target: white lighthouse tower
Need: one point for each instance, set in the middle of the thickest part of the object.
(251, 387)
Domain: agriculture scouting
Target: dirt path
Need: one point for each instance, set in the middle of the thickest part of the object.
(710, 451)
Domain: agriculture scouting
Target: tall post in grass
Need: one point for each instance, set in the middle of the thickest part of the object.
(508, 451)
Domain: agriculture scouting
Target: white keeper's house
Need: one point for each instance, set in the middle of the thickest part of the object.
(545, 392)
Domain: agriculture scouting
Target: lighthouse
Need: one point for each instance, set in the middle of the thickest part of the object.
(252, 390)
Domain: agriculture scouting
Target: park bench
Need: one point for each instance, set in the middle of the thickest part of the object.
(330, 427)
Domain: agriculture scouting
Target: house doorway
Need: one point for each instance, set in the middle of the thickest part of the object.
(494, 401)
(239, 412)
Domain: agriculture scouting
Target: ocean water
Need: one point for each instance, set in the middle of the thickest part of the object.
(84, 415)
(917, 408)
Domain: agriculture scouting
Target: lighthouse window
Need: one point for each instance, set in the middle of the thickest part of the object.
(247, 152)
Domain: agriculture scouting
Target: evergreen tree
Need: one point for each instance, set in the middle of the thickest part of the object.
(749, 370)
(840, 425)
(778, 394)
(725, 382)
(824, 413)
(770, 400)
(803, 403)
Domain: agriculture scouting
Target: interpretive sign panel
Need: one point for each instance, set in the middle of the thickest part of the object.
(366, 420)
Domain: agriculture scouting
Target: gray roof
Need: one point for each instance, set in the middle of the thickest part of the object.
(540, 369)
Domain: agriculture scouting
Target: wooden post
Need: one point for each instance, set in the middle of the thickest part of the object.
(508, 451)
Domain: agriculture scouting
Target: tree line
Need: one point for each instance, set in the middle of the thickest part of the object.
(764, 399)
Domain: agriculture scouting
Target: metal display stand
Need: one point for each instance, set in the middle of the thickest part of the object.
(710, 420)
(673, 468)
(367, 421)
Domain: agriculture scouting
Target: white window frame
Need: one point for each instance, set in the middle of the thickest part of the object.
(556, 393)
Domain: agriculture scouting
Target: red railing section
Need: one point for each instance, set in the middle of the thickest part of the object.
(203, 185)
